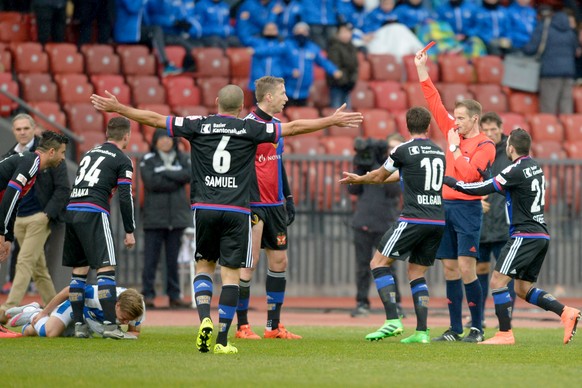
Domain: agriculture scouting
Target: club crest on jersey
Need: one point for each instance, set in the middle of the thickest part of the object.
(414, 150)
(179, 121)
(22, 179)
(129, 174)
(281, 239)
(205, 128)
(527, 172)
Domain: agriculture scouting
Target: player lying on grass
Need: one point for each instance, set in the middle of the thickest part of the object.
(523, 185)
(55, 320)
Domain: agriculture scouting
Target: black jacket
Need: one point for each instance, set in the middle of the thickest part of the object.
(166, 201)
(52, 188)
(345, 57)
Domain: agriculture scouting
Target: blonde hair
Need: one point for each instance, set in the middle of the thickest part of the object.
(131, 302)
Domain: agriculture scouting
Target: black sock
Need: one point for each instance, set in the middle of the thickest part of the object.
(203, 294)
(107, 295)
(244, 297)
(420, 297)
(275, 288)
(503, 307)
(77, 296)
(544, 300)
(226, 309)
(387, 290)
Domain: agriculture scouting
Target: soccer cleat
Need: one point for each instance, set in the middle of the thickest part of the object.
(225, 349)
(14, 311)
(468, 324)
(281, 332)
(391, 328)
(204, 335)
(113, 331)
(245, 332)
(449, 336)
(5, 333)
(23, 317)
(500, 338)
(570, 318)
(475, 335)
(82, 330)
(419, 337)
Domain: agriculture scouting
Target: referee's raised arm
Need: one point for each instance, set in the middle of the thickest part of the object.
(111, 104)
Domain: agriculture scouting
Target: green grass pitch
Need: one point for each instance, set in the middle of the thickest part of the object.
(326, 357)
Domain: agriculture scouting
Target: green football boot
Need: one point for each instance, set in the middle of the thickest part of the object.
(391, 328)
(419, 337)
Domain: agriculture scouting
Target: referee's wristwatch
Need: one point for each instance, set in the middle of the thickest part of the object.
(453, 147)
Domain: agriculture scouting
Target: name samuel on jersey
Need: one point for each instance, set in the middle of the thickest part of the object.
(220, 181)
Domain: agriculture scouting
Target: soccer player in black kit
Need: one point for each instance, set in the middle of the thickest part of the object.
(223, 149)
(88, 236)
(523, 185)
(418, 230)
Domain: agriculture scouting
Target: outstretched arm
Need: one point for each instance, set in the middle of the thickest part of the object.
(340, 118)
(111, 104)
(377, 176)
(476, 189)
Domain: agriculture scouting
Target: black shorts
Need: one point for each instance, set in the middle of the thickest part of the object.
(223, 236)
(522, 258)
(421, 241)
(274, 226)
(88, 240)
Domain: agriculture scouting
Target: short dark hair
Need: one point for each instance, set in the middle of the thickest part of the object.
(491, 117)
(265, 85)
(117, 127)
(520, 140)
(418, 120)
(230, 98)
(473, 107)
(50, 139)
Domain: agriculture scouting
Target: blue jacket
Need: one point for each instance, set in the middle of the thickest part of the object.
(214, 18)
(522, 21)
(461, 18)
(322, 12)
(376, 18)
(491, 24)
(349, 13)
(290, 17)
(558, 59)
(268, 57)
(165, 13)
(252, 17)
(412, 16)
(129, 14)
(302, 59)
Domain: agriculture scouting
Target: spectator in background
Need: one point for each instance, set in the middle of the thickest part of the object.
(458, 33)
(166, 213)
(492, 26)
(290, 17)
(377, 207)
(86, 12)
(378, 17)
(268, 55)
(522, 19)
(302, 53)
(214, 19)
(51, 20)
(460, 14)
(412, 13)
(558, 67)
(345, 56)
(352, 12)
(322, 18)
(253, 16)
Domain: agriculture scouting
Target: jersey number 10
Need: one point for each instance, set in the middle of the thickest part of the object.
(433, 178)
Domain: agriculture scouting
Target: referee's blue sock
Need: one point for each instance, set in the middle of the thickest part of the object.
(107, 295)
(203, 294)
(77, 296)
(226, 309)
(275, 288)
(244, 297)
(455, 303)
(484, 282)
(474, 296)
(420, 297)
(503, 308)
(387, 290)
(548, 302)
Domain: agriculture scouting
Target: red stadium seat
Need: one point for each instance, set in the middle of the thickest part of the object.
(239, 59)
(489, 69)
(137, 144)
(319, 94)
(340, 131)
(411, 73)
(546, 127)
(385, 67)
(73, 88)
(90, 140)
(9, 85)
(574, 149)
(29, 58)
(64, 58)
(211, 62)
(83, 118)
(377, 123)
(53, 111)
(185, 111)
(577, 93)
(5, 61)
(210, 87)
(455, 69)
(38, 87)
(453, 93)
(318, 73)
(148, 93)
(512, 121)
(389, 95)
(548, 150)
(414, 94)
(364, 67)
(572, 126)
(181, 91)
(176, 55)
(490, 96)
(101, 59)
(114, 84)
(14, 29)
(146, 130)
(362, 96)
(306, 145)
(136, 60)
(338, 145)
(523, 103)
(249, 99)
(301, 112)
